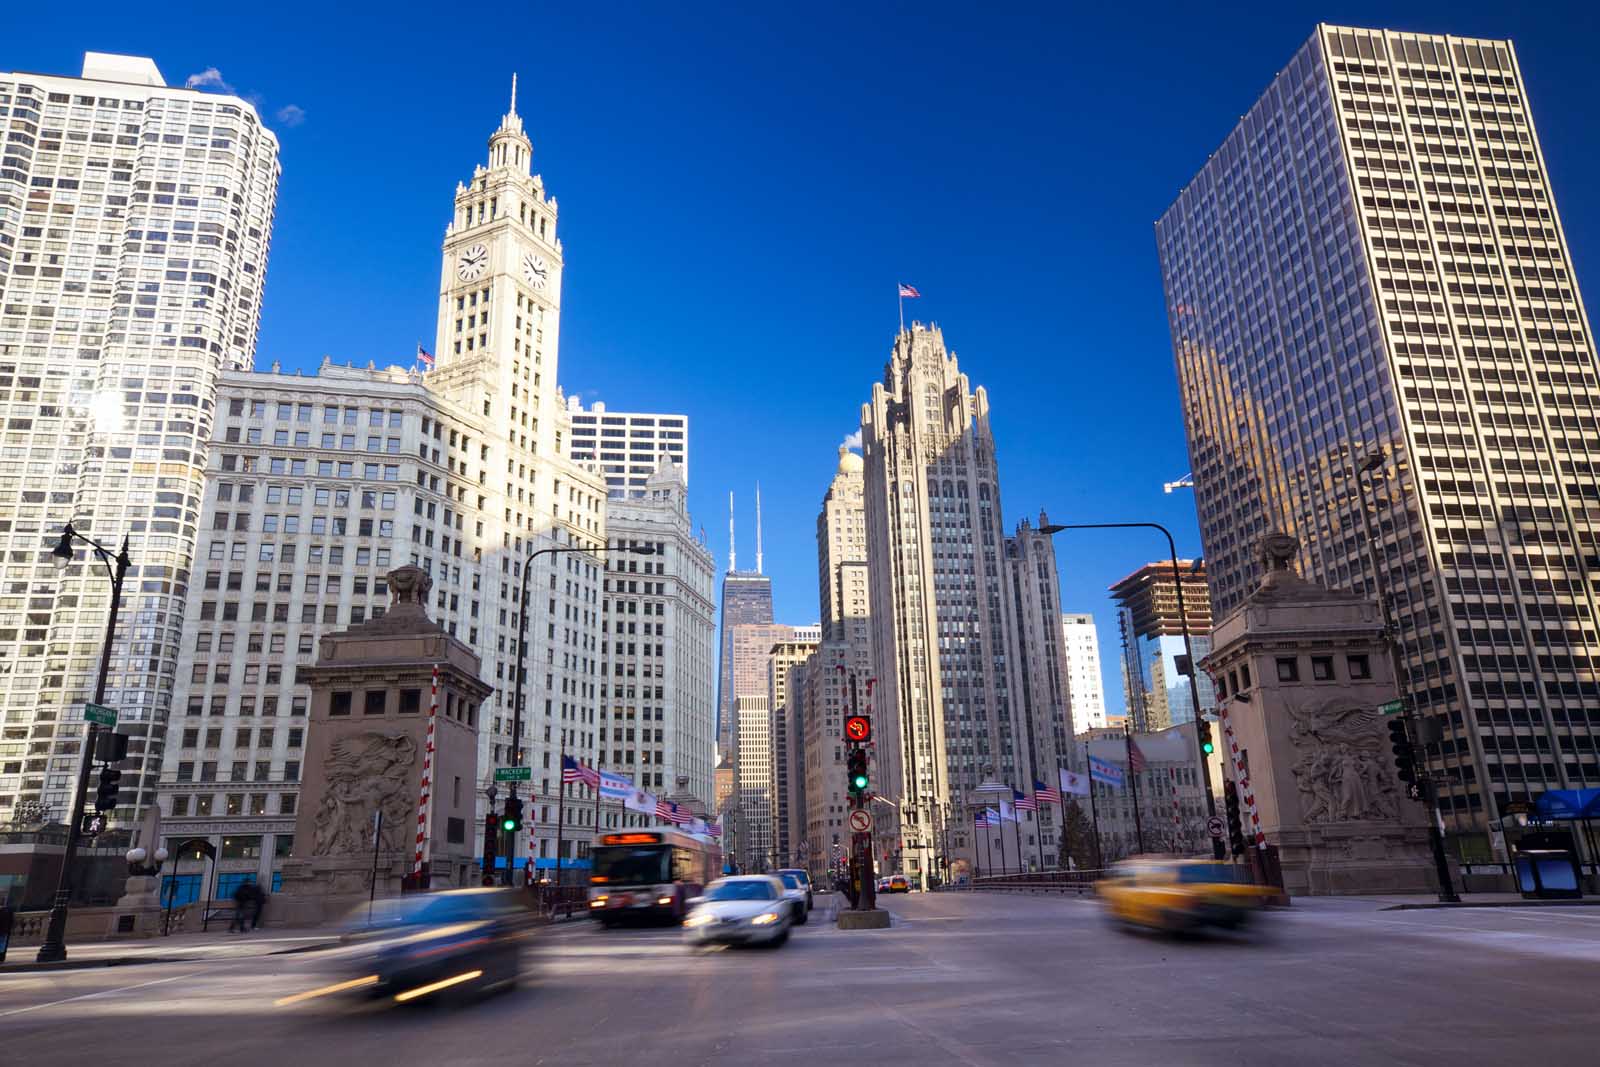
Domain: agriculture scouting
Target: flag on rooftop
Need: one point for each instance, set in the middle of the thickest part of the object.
(424, 357)
(908, 292)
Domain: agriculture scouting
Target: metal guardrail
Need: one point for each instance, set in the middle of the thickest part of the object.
(1039, 881)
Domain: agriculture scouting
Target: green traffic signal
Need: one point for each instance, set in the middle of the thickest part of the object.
(508, 825)
(859, 781)
(1208, 748)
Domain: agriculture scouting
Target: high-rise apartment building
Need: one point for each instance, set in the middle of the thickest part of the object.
(134, 225)
(1152, 640)
(319, 484)
(1372, 303)
(1084, 682)
(751, 837)
(628, 446)
(658, 643)
(947, 638)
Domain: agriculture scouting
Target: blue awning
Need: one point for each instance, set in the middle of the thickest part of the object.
(1568, 804)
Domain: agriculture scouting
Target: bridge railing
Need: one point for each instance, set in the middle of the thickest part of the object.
(1052, 881)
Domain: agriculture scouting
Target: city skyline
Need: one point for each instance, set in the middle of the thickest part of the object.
(617, 334)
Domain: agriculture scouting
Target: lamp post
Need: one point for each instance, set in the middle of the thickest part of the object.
(1217, 849)
(54, 948)
(522, 675)
(1402, 679)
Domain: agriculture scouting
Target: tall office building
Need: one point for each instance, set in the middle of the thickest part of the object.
(134, 225)
(319, 484)
(658, 643)
(1152, 640)
(1372, 303)
(783, 699)
(947, 625)
(1082, 638)
(628, 446)
(751, 838)
(746, 600)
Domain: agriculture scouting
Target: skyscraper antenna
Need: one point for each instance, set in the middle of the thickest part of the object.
(513, 92)
(758, 527)
(733, 558)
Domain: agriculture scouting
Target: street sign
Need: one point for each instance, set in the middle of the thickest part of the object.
(513, 774)
(1214, 826)
(861, 820)
(857, 728)
(99, 713)
(1394, 707)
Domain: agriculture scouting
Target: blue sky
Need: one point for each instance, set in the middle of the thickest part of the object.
(740, 191)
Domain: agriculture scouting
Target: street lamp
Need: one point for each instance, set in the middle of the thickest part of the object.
(643, 549)
(1217, 849)
(54, 948)
(1373, 463)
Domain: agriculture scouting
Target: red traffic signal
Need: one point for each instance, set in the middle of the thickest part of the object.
(857, 728)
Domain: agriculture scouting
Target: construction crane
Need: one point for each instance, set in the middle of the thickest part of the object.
(1186, 482)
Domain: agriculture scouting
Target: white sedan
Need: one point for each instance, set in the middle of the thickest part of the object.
(744, 909)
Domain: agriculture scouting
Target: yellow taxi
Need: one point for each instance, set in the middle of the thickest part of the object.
(1179, 895)
(898, 883)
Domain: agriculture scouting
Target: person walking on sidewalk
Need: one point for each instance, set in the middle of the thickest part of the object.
(242, 896)
(258, 905)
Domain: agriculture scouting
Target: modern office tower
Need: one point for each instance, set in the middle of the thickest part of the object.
(471, 458)
(783, 699)
(746, 600)
(1082, 638)
(628, 446)
(946, 644)
(134, 224)
(1152, 633)
(843, 654)
(658, 643)
(1404, 339)
(752, 790)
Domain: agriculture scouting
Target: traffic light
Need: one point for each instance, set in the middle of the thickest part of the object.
(1404, 762)
(511, 822)
(1207, 746)
(1230, 796)
(105, 797)
(491, 841)
(856, 766)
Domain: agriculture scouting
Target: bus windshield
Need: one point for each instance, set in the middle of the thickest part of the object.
(632, 864)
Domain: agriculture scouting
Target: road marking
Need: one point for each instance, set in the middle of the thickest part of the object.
(101, 993)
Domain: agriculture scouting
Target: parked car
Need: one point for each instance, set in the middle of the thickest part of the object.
(744, 909)
(794, 890)
(1179, 896)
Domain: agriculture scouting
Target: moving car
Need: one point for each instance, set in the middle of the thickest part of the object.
(795, 891)
(805, 880)
(422, 945)
(743, 909)
(897, 883)
(1179, 895)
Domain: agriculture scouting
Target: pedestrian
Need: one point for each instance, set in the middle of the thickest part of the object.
(241, 905)
(258, 907)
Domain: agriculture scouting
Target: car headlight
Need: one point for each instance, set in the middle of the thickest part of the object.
(766, 918)
(598, 902)
(699, 918)
(663, 900)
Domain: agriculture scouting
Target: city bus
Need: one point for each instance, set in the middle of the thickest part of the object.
(640, 874)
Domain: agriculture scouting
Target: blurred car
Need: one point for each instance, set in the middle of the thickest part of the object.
(898, 883)
(743, 909)
(1180, 896)
(421, 945)
(883, 884)
(805, 880)
(794, 890)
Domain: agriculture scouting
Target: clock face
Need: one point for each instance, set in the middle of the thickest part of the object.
(536, 270)
(474, 261)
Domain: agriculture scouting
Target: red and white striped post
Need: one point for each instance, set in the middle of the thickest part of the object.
(1241, 779)
(425, 797)
(1177, 819)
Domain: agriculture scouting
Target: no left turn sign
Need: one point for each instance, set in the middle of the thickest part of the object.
(1214, 826)
(860, 820)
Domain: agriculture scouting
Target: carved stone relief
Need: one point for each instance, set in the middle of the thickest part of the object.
(1340, 770)
(363, 774)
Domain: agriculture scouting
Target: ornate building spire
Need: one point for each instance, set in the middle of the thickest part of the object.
(508, 145)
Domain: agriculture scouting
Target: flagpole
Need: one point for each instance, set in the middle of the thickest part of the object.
(1016, 824)
(1133, 775)
(561, 808)
(901, 293)
(1005, 866)
(977, 853)
(1094, 813)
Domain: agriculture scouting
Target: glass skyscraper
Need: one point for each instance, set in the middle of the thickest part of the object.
(1372, 305)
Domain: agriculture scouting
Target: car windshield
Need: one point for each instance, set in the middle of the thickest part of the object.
(631, 864)
(747, 890)
(792, 880)
(1208, 873)
(801, 875)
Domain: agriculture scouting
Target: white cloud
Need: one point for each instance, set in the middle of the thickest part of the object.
(210, 78)
(291, 114)
(853, 440)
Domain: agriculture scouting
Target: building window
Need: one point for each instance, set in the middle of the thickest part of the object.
(1359, 666)
(241, 848)
(1288, 669)
(1322, 668)
(339, 704)
(376, 702)
(410, 701)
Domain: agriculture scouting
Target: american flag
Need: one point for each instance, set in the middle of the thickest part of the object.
(1048, 794)
(424, 357)
(714, 830)
(1023, 803)
(908, 292)
(980, 820)
(1136, 761)
(666, 809)
(573, 771)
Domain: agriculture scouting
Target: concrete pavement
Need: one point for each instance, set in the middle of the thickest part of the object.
(960, 979)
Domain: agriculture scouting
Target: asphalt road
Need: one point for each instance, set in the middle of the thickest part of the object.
(960, 979)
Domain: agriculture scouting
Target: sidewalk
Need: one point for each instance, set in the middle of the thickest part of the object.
(212, 945)
(1411, 902)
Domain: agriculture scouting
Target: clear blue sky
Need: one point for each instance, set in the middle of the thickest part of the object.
(740, 191)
